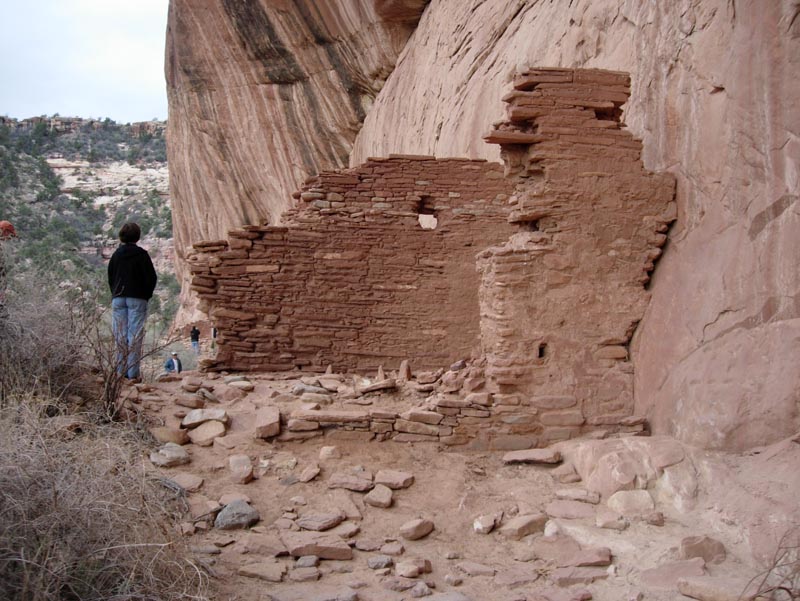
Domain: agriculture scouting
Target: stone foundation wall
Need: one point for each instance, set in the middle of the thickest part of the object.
(353, 279)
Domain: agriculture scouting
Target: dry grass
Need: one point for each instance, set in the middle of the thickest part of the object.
(80, 519)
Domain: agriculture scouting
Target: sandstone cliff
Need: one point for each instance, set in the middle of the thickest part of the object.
(261, 96)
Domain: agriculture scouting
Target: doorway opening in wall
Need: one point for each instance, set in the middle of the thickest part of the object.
(427, 213)
(541, 350)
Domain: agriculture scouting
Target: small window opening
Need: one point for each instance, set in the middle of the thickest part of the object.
(614, 114)
(427, 213)
(531, 226)
(541, 351)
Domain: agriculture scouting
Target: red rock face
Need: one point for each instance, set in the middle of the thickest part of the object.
(263, 94)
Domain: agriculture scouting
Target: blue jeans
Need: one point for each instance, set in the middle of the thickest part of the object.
(127, 322)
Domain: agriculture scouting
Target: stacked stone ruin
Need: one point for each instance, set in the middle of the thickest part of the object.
(537, 269)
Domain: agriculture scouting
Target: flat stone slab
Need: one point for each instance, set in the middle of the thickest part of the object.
(395, 549)
(571, 575)
(331, 416)
(204, 434)
(666, 576)
(321, 544)
(547, 456)
(388, 384)
(711, 588)
(523, 525)
(356, 481)
(271, 571)
(424, 417)
(320, 521)
(198, 416)
(558, 549)
(394, 479)
(578, 494)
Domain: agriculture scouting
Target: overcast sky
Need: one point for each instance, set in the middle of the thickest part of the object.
(83, 58)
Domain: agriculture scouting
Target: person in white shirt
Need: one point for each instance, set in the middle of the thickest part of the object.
(173, 364)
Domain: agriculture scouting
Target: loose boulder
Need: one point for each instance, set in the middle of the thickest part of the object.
(236, 515)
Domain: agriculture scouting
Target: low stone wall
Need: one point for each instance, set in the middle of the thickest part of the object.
(472, 420)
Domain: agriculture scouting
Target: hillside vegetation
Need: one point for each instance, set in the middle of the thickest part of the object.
(67, 217)
(80, 515)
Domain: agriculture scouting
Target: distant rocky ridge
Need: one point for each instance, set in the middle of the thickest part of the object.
(60, 124)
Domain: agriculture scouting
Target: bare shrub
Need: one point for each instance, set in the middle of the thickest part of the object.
(56, 340)
(39, 339)
(781, 580)
(79, 517)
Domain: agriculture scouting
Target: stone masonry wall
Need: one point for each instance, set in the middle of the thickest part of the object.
(353, 279)
(560, 301)
(564, 242)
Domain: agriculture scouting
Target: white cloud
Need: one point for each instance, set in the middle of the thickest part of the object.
(89, 58)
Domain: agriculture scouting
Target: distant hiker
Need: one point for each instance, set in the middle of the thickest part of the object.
(173, 364)
(132, 280)
(213, 337)
(194, 336)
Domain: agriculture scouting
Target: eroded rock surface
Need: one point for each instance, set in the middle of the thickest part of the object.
(262, 95)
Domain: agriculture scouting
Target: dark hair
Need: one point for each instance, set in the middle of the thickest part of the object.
(130, 233)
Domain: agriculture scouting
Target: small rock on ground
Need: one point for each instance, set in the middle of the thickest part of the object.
(416, 529)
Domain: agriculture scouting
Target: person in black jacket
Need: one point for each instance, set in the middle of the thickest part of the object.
(132, 280)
